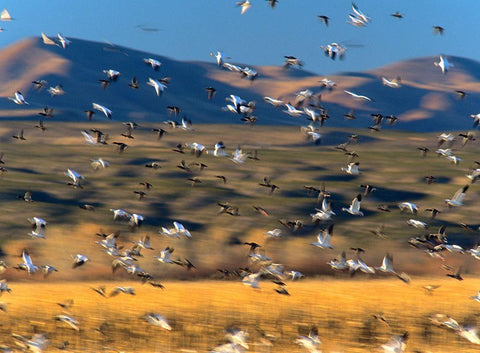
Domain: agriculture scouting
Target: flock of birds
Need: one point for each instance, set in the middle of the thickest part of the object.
(261, 267)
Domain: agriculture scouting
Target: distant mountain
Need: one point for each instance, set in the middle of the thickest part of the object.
(425, 102)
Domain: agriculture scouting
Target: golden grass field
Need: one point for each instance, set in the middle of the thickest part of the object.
(199, 312)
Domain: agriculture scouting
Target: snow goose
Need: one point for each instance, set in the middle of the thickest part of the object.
(408, 206)
(157, 320)
(443, 64)
(103, 109)
(354, 208)
(155, 64)
(63, 40)
(324, 238)
(27, 264)
(18, 98)
(457, 199)
(157, 85)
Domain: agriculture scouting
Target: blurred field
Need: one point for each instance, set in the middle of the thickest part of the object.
(199, 312)
(389, 160)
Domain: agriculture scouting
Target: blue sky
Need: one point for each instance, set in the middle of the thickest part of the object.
(191, 29)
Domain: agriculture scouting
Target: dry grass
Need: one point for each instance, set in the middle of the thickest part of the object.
(199, 311)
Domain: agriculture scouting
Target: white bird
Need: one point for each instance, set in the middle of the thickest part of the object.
(274, 233)
(276, 102)
(181, 230)
(144, 242)
(387, 265)
(231, 67)
(416, 223)
(359, 14)
(352, 168)
(358, 96)
(394, 83)
(470, 333)
(397, 344)
(324, 238)
(27, 264)
(99, 163)
(443, 64)
(333, 50)
(157, 320)
(354, 208)
(47, 41)
(19, 99)
(237, 337)
(219, 57)
(311, 342)
(457, 199)
(245, 5)
(56, 91)
(292, 111)
(155, 64)
(79, 260)
(219, 150)
(103, 109)
(112, 74)
(75, 177)
(4, 286)
(120, 214)
(239, 156)
(5, 16)
(70, 321)
(408, 206)
(454, 159)
(37, 344)
(135, 220)
(323, 214)
(252, 280)
(63, 41)
(339, 264)
(159, 86)
(165, 255)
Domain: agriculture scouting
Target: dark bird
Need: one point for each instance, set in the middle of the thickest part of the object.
(261, 210)
(324, 19)
(253, 155)
(253, 246)
(40, 84)
(268, 184)
(350, 115)
(179, 148)
(146, 185)
(272, 3)
(134, 83)
(40, 125)
(368, 189)
(461, 94)
(423, 150)
(185, 263)
(100, 290)
(153, 165)
(397, 15)
(173, 110)
(141, 194)
(225, 207)
(128, 133)
(121, 146)
(105, 82)
(456, 275)
(19, 136)
(438, 30)
(194, 180)
(87, 207)
(184, 166)
(281, 290)
(429, 179)
(160, 132)
(222, 178)
(1, 158)
(433, 212)
(90, 114)
(211, 92)
(46, 112)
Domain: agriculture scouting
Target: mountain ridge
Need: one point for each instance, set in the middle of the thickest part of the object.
(425, 102)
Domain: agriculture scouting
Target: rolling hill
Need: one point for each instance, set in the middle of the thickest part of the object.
(425, 102)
